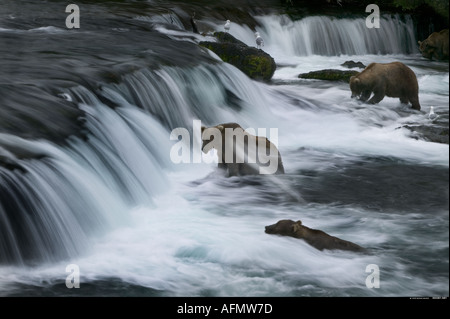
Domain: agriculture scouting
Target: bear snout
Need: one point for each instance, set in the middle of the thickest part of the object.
(282, 227)
(269, 229)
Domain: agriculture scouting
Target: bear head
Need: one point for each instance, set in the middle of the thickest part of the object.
(435, 46)
(427, 48)
(209, 134)
(356, 86)
(285, 227)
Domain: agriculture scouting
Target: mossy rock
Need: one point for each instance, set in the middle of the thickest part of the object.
(329, 75)
(254, 62)
(225, 37)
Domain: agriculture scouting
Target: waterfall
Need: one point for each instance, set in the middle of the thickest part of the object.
(52, 207)
(175, 96)
(86, 175)
(329, 36)
(48, 212)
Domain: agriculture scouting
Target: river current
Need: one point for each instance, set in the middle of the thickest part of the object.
(109, 199)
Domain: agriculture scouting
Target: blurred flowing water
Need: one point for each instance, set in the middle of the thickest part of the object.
(86, 116)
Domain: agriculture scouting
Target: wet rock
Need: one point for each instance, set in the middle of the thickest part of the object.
(329, 75)
(431, 133)
(255, 63)
(228, 38)
(352, 64)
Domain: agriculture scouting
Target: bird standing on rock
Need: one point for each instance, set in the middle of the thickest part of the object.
(227, 26)
(432, 116)
(259, 40)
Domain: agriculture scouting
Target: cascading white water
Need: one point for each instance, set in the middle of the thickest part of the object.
(53, 208)
(75, 192)
(323, 35)
(175, 96)
(122, 163)
(187, 230)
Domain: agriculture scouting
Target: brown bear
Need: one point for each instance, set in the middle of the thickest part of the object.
(240, 152)
(386, 79)
(316, 238)
(435, 46)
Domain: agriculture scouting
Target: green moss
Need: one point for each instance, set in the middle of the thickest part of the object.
(441, 7)
(329, 75)
(408, 4)
(260, 67)
(255, 63)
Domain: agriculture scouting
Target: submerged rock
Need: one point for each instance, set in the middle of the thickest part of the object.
(329, 75)
(436, 134)
(254, 62)
(352, 64)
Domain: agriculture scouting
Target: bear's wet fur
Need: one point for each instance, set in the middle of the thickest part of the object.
(236, 168)
(314, 237)
(393, 79)
(435, 46)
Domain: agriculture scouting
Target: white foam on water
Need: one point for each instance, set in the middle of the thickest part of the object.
(189, 231)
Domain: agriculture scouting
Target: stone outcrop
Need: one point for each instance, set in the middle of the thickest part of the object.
(254, 62)
(329, 75)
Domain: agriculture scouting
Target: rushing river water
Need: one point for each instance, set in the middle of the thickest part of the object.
(110, 200)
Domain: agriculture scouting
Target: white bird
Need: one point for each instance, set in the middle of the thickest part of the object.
(227, 26)
(432, 116)
(259, 40)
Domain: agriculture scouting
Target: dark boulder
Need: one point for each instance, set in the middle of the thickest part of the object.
(430, 133)
(225, 37)
(352, 64)
(329, 75)
(255, 63)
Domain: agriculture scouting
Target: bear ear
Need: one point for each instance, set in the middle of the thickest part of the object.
(420, 42)
(299, 222)
(220, 128)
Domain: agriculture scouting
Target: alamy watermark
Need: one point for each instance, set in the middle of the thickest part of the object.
(373, 280)
(373, 19)
(73, 279)
(73, 19)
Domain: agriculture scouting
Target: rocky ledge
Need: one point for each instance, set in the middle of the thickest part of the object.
(329, 75)
(254, 62)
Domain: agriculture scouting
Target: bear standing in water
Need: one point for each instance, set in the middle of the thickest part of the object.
(435, 46)
(240, 152)
(386, 79)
